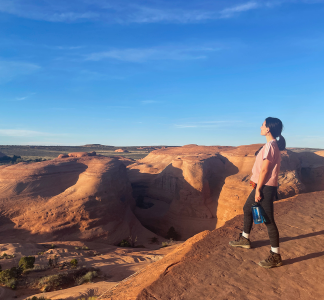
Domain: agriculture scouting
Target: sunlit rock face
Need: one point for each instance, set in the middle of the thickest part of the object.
(190, 188)
(193, 188)
(81, 197)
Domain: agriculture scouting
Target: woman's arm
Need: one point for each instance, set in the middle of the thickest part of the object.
(263, 174)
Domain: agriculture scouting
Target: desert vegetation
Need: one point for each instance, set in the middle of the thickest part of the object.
(6, 256)
(130, 242)
(15, 159)
(75, 276)
(71, 275)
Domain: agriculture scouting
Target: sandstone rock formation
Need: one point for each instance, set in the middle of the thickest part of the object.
(121, 150)
(76, 198)
(206, 267)
(194, 188)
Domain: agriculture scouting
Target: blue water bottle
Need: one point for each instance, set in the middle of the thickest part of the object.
(257, 213)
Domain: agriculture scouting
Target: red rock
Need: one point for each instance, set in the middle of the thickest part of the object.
(78, 154)
(206, 267)
(121, 150)
(194, 188)
(63, 156)
(71, 199)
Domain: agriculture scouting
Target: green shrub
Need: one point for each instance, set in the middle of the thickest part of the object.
(53, 246)
(27, 262)
(53, 282)
(9, 277)
(74, 262)
(11, 283)
(6, 256)
(77, 248)
(85, 248)
(124, 243)
(167, 243)
(63, 279)
(87, 277)
(37, 268)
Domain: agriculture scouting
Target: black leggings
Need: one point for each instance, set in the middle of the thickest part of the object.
(268, 194)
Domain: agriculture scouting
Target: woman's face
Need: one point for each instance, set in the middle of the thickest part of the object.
(264, 129)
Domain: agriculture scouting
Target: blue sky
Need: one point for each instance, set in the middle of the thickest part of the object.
(160, 72)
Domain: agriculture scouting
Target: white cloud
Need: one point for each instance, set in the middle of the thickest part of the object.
(126, 11)
(229, 12)
(11, 69)
(119, 106)
(23, 98)
(135, 11)
(140, 55)
(185, 126)
(63, 47)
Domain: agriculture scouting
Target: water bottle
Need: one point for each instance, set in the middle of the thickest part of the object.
(257, 214)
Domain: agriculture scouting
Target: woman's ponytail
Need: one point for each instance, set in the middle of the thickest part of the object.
(281, 143)
(275, 126)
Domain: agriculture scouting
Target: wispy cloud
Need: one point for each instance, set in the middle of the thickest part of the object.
(119, 106)
(140, 55)
(136, 11)
(25, 133)
(63, 47)
(11, 69)
(24, 98)
(57, 11)
(185, 126)
(149, 102)
(229, 12)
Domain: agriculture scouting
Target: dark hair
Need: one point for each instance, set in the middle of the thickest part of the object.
(275, 126)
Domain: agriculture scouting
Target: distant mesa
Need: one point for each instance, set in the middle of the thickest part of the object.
(92, 145)
(121, 150)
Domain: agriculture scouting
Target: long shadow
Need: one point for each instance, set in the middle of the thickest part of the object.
(308, 171)
(301, 258)
(258, 244)
(64, 175)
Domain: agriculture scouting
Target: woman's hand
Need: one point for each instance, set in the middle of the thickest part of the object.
(258, 196)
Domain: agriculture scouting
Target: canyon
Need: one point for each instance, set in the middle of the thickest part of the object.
(91, 198)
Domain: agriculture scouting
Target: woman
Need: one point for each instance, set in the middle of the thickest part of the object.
(265, 181)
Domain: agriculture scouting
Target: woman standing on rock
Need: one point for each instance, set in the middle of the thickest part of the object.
(264, 181)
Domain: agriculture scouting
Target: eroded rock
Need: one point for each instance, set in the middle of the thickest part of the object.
(194, 188)
(76, 199)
